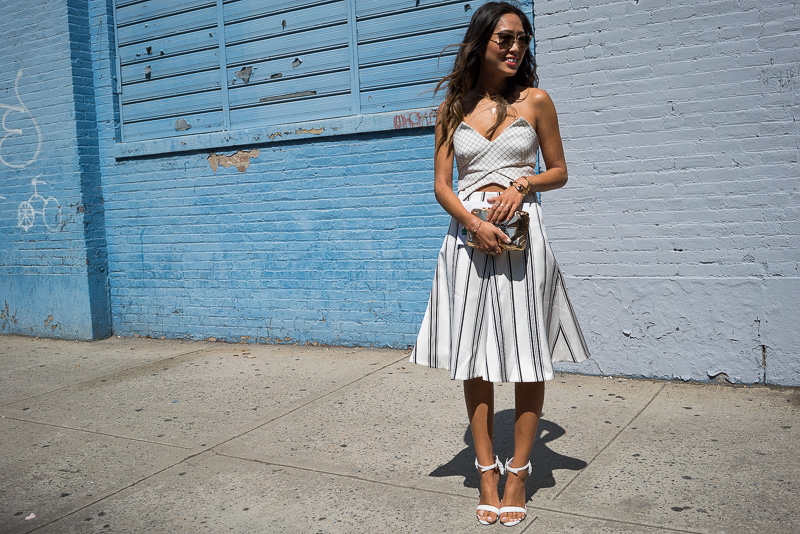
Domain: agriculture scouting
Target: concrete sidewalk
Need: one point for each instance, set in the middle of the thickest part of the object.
(135, 435)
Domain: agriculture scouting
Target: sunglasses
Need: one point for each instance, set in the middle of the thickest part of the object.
(507, 40)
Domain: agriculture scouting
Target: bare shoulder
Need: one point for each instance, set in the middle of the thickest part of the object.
(440, 111)
(535, 98)
(536, 106)
(533, 102)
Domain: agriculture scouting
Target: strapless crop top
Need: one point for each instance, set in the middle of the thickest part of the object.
(481, 162)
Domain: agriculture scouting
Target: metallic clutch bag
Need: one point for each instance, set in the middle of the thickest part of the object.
(516, 229)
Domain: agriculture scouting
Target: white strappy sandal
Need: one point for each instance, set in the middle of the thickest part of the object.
(486, 507)
(507, 509)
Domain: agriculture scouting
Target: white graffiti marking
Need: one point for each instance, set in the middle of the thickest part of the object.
(50, 212)
(10, 132)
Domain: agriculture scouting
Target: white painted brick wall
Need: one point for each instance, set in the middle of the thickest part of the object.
(680, 127)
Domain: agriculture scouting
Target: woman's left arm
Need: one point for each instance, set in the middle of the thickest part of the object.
(541, 113)
(550, 143)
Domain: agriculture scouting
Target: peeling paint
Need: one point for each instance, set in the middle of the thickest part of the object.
(287, 96)
(181, 125)
(272, 136)
(276, 76)
(240, 160)
(147, 72)
(244, 74)
(297, 62)
(315, 131)
(6, 316)
(719, 377)
(51, 323)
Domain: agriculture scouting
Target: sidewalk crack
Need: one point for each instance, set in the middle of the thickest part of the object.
(612, 440)
(95, 432)
(106, 376)
(311, 401)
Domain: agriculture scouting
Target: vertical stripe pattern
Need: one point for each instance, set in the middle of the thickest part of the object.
(503, 318)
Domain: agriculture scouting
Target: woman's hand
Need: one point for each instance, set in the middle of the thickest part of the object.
(488, 237)
(505, 205)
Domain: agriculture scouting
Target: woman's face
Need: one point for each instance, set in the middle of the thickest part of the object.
(504, 60)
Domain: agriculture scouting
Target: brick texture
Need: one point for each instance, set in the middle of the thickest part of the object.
(329, 241)
(677, 230)
(49, 175)
(679, 222)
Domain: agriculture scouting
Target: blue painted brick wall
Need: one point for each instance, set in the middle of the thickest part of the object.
(318, 241)
(46, 91)
(329, 240)
(89, 167)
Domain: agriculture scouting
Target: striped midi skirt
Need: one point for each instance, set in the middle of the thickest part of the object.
(503, 318)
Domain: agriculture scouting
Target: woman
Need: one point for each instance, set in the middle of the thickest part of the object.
(497, 315)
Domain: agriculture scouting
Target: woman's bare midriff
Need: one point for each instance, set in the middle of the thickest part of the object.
(492, 188)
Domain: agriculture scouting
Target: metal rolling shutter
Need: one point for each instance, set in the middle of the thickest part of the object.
(296, 55)
(399, 47)
(169, 68)
(198, 66)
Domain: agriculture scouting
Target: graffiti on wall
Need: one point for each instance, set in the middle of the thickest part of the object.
(11, 117)
(19, 127)
(415, 119)
(50, 211)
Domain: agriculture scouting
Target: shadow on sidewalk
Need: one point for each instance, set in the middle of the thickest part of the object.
(544, 460)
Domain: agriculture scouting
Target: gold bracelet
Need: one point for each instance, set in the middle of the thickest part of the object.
(480, 222)
(519, 187)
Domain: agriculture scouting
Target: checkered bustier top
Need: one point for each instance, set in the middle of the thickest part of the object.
(481, 162)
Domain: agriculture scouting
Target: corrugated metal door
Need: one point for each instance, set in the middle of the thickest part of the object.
(296, 56)
(196, 66)
(399, 47)
(170, 82)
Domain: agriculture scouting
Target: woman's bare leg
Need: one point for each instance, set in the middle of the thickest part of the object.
(528, 401)
(479, 396)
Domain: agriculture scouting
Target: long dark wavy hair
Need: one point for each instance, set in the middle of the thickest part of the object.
(466, 69)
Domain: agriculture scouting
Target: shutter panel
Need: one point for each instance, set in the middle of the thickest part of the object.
(399, 47)
(169, 68)
(287, 62)
(284, 60)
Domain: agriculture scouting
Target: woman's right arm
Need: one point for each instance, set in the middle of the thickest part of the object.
(487, 236)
